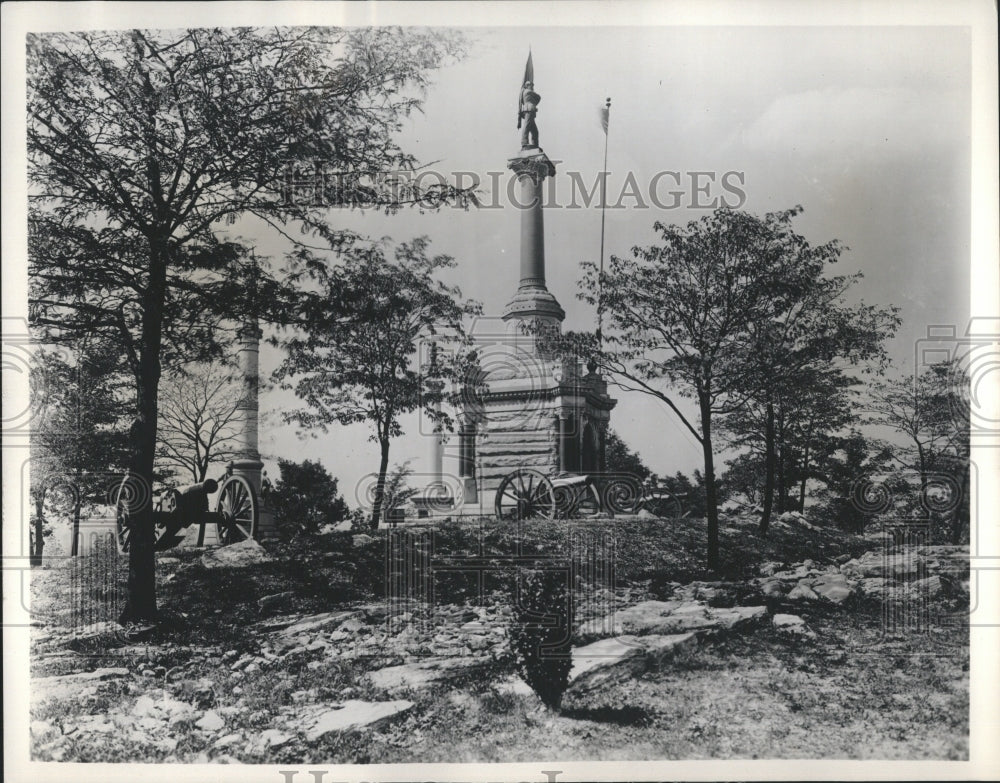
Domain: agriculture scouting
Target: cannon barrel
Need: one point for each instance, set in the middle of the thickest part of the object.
(193, 499)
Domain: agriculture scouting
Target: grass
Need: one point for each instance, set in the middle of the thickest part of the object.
(853, 692)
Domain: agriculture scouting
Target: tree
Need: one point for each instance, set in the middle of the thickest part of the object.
(843, 496)
(619, 458)
(930, 412)
(143, 144)
(305, 498)
(199, 420)
(790, 426)
(681, 315)
(78, 439)
(354, 359)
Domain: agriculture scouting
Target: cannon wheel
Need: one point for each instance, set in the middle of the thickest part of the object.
(578, 501)
(123, 515)
(525, 494)
(240, 510)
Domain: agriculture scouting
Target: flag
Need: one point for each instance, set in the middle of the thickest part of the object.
(529, 76)
(605, 116)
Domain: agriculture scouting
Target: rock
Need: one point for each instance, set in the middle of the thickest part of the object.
(514, 684)
(772, 588)
(230, 655)
(273, 603)
(95, 724)
(210, 721)
(158, 705)
(65, 686)
(792, 624)
(227, 740)
(605, 662)
(273, 738)
(769, 568)
(601, 664)
(670, 617)
(239, 555)
(352, 715)
(423, 674)
(832, 587)
(41, 729)
(841, 559)
(802, 592)
(317, 622)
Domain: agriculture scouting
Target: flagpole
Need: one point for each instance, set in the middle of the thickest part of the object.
(604, 205)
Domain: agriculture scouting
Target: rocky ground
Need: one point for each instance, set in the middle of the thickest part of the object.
(857, 652)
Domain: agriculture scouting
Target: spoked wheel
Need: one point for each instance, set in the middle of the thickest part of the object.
(577, 500)
(124, 498)
(239, 509)
(127, 499)
(525, 494)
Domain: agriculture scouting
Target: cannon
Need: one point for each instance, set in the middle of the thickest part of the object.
(236, 515)
(529, 494)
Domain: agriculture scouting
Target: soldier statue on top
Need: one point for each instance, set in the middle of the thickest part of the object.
(526, 111)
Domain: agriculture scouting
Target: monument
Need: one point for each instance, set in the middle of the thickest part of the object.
(248, 462)
(530, 408)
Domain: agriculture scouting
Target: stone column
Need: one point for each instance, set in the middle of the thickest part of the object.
(532, 301)
(563, 423)
(436, 454)
(248, 463)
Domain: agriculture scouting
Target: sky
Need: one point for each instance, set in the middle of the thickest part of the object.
(868, 129)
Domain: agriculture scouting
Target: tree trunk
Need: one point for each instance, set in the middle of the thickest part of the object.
(959, 512)
(383, 467)
(805, 476)
(780, 463)
(75, 546)
(711, 500)
(35, 556)
(141, 603)
(765, 517)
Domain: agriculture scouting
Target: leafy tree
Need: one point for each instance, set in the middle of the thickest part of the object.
(354, 360)
(78, 438)
(305, 498)
(199, 420)
(842, 497)
(397, 488)
(930, 412)
(143, 144)
(620, 458)
(810, 408)
(683, 315)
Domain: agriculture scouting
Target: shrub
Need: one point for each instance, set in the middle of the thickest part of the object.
(305, 498)
(541, 632)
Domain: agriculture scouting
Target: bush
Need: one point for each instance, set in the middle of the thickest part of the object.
(305, 498)
(541, 632)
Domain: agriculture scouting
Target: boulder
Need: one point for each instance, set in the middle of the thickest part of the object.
(792, 624)
(317, 622)
(802, 592)
(423, 674)
(603, 663)
(671, 617)
(361, 539)
(352, 715)
(210, 721)
(239, 555)
(832, 587)
(66, 686)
